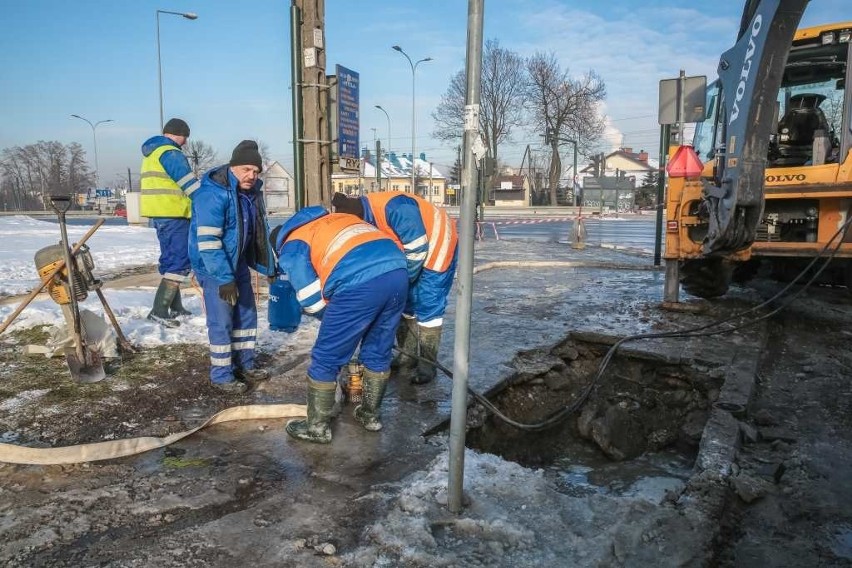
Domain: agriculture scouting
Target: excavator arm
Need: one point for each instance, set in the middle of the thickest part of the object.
(750, 74)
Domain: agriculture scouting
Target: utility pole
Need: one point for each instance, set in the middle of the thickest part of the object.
(313, 140)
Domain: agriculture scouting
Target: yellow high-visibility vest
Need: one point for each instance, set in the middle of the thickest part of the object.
(161, 195)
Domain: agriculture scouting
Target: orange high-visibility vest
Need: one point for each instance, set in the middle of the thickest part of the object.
(331, 237)
(440, 229)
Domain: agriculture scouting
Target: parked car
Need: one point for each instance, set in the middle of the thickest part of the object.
(120, 211)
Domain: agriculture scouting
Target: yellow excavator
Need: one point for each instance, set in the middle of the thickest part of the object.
(776, 147)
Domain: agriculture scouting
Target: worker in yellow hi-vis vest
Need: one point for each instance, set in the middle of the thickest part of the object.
(167, 184)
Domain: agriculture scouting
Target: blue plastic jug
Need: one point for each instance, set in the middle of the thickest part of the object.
(285, 313)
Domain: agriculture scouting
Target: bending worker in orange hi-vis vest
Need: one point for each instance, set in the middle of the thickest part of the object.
(428, 238)
(352, 276)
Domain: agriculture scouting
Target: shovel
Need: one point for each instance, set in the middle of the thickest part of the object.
(84, 364)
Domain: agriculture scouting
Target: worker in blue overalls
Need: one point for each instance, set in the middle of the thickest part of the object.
(228, 236)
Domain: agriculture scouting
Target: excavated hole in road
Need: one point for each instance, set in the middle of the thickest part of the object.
(637, 434)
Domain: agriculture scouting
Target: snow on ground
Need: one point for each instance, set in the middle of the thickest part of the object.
(113, 247)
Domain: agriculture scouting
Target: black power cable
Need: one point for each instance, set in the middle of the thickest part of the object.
(700, 331)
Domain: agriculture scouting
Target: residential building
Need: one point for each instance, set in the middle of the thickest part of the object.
(278, 189)
(395, 176)
(612, 181)
(509, 190)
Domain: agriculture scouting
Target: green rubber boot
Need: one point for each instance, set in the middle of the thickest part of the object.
(430, 341)
(367, 413)
(317, 427)
(406, 340)
(176, 308)
(163, 301)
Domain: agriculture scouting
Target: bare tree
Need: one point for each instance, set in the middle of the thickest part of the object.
(29, 174)
(265, 156)
(201, 156)
(563, 108)
(501, 101)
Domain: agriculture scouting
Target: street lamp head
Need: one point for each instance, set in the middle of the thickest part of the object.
(78, 116)
(190, 16)
(379, 107)
(427, 59)
(396, 47)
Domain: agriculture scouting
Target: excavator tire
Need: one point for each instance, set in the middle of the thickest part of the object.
(706, 277)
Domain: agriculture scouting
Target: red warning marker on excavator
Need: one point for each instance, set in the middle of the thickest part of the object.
(685, 163)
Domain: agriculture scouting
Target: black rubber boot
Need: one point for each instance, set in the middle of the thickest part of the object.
(317, 427)
(367, 413)
(163, 301)
(430, 341)
(176, 308)
(406, 340)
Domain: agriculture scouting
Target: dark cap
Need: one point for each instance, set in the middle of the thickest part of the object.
(177, 127)
(344, 204)
(246, 154)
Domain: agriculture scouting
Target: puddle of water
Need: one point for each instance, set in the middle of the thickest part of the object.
(9, 437)
(649, 477)
(841, 541)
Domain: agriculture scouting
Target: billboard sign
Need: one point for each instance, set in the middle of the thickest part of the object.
(348, 125)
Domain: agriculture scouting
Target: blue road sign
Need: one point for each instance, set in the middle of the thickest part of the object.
(348, 125)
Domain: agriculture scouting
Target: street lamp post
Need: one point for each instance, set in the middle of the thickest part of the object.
(188, 16)
(94, 139)
(413, 73)
(387, 148)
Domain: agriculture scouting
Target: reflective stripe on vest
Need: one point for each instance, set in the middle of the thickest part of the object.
(440, 229)
(331, 237)
(161, 195)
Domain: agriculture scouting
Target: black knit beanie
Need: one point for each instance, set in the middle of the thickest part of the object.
(177, 127)
(351, 205)
(246, 154)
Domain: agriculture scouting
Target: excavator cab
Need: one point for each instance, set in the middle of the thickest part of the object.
(797, 139)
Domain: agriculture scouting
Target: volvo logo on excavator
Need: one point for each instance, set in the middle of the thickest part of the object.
(786, 177)
(746, 70)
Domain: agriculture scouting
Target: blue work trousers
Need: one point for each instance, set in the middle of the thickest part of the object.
(368, 313)
(232, 330)
(173, 236)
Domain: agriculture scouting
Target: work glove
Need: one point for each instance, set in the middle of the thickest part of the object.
(228, 292)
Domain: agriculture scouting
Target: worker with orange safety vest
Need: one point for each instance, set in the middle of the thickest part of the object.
(428, 237)
(352, 276)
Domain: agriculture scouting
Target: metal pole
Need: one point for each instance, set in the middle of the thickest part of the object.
(381, 108)
(159, 70)
(413, 163)
(464, 301)
(379, 164)
(413, 66)
(661, 185)
(188, 16)
(95, 140)
(574, 178)
(681, 110)
(295, 79)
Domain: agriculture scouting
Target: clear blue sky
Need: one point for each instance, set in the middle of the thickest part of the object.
(228, 72)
